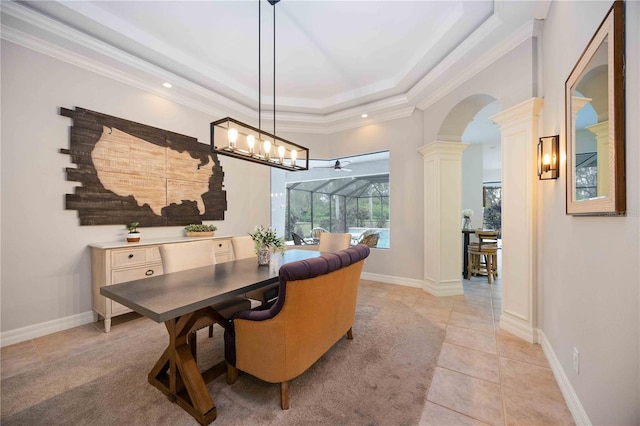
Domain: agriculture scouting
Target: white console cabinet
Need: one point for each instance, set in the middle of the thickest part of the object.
(118, 262)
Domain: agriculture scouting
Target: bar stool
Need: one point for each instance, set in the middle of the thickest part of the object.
(483, 255)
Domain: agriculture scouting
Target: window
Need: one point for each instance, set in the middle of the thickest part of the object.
(492, 201)
(353, 198)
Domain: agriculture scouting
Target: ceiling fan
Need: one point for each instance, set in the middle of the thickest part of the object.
(338, 166)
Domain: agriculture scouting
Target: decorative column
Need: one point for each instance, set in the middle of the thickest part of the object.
(442, 233)
(519, 127)
(601, 130)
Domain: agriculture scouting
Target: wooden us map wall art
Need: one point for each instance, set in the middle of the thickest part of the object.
(136, 173)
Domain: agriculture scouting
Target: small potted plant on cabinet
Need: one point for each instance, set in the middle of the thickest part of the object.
(200, 230)
(133, 236)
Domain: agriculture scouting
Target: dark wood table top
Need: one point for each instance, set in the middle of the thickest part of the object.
(169, 296)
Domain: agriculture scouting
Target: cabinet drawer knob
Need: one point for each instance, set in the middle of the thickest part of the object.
(220, 245)
(130, 256)
(149, 272)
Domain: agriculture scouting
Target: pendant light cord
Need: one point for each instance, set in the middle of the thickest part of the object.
(259, 73)
(274, 72)
(260, 69)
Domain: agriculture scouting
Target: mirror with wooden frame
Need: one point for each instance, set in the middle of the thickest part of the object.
(594, 113)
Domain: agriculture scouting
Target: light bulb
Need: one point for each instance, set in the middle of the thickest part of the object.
(233, 137)
(251, 142)
(267, 149)
(281, 153)
(294, 155)
(546, 163)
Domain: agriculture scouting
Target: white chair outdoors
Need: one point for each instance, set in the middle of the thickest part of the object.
(332, 243)
(196, 254)
(244, 248)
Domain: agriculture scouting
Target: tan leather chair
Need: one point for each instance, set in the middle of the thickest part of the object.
(332, 243)
(316, 308)
(196, 254)
(244, 248)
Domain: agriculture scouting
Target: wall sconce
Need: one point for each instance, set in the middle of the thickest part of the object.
(235, 139)
(548, 157)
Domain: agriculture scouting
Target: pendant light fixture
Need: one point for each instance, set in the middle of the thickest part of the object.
(240, 140)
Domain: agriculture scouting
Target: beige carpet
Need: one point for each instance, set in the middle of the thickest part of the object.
(379, 378)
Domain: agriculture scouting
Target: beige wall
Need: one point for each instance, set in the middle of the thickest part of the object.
(588, 266)
(45, 260)
(402, 137)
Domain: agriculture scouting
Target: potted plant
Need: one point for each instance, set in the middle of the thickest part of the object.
(133, 236)
(200, 230)
(266, 242)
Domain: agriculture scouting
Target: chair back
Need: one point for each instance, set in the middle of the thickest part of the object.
(487, 238)
(243, 247)
(316, 306)
(333, 243)
(297, 239)
(181, 256)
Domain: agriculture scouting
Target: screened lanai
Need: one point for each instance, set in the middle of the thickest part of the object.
(341, 204)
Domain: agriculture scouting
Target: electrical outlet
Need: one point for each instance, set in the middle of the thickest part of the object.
(576, 360)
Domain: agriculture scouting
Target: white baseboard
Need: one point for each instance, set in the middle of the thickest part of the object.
(573, 402)
(518, 327)
(388, 279)
(37, 330)
(443, 288)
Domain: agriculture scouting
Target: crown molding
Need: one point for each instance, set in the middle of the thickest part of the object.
(523, 33)
(145, 76)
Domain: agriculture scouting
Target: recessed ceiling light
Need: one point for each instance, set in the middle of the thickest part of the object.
(167, 85)
(364, 115)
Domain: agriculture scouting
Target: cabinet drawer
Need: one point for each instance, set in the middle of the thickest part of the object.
(222, 246)
(128, 257)
(125, 275)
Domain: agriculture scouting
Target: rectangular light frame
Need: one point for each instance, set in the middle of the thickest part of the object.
(548, 149)
(220, 144)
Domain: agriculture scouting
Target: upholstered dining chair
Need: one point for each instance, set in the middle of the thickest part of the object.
(332, 243)
(280, 343)
(244, 248)
(196, 254)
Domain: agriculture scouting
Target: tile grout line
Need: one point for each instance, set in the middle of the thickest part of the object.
(504, 405)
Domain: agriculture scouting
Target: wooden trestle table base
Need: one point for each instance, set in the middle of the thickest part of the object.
(181, 300)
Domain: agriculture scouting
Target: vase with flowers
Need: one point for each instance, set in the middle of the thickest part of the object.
(266, 242)
(466, 218)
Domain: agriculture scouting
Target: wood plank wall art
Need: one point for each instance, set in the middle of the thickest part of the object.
(136, 173)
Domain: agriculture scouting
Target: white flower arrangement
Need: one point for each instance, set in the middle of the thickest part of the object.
(467, 213)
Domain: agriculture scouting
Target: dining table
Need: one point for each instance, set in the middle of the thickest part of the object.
(182, 299)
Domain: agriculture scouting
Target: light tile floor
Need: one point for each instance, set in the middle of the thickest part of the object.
(483, 376)
(486, 375)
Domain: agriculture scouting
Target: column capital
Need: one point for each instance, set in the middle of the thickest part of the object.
(517, 113)
(442, 148)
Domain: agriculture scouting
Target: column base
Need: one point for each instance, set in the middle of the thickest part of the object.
(518, 326)
(443, 287)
